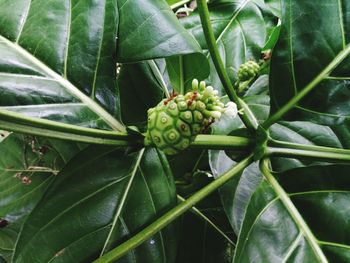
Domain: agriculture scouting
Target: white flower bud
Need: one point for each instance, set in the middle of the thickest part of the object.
(231, 112)
(202, 85)
(216, 114)
(210, 89)
(195, 84)
(230, 104)
(231, 109)
(217, 108)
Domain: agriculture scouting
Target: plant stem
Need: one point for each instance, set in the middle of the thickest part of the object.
(221, 142)
(122, 202)
(325, 73)
(288, 152)
(249, 120)
(207, 220)
(321, 149)
(293, 211)
(174, 213)
(15, 122)
(25, 129)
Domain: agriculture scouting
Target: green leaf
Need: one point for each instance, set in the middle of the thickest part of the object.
(204, 244)
(274, 36)
(101, 198)
(274, 6)
(183, 69)
(151, 31)
(27, 166)
(236, 193)
(240, 28)
(138, 94)
(271, 233)
(308, 43)
(307, 133)
(58, 61)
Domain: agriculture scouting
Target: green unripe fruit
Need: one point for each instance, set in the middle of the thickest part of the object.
(174, 122)
(248, 70)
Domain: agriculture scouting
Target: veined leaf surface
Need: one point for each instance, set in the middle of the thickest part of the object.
(58, 60)
(27, 167)
(321, 195)
(99, 199)
(240, 28)
(312, 35)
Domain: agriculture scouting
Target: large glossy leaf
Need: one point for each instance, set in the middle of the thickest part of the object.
(183, 69)
(199, 242)
(321, 196)
(57, 59)
(240, 28)
(139, 90)
(27, 166)
(101, 198)
(236, 193)
(150, 29)
(312, 34)
(307, 133)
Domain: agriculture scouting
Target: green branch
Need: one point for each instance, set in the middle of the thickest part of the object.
(325, 73)
(295, 150)
(296, 153)
(12, 121)
(293, 211)
(174, 213)
(221, 142)
(316, 148)
(248, 119)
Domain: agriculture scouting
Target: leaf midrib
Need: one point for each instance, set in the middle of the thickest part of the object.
(231, 21)
(123, 200)
(24, 20)
(267, 206)
(92, 105)
(235, 15)
(76, 204)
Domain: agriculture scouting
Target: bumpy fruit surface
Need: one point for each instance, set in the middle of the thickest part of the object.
(248, 70)
(175, 121)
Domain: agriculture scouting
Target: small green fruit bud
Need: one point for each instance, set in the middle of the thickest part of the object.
(248, 70)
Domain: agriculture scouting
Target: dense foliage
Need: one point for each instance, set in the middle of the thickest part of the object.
(270, 183)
